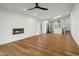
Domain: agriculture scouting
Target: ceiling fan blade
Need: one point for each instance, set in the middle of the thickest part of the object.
(42, 8)
(31, 9)
(37, 6)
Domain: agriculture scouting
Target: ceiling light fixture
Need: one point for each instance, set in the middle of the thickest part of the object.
(35, 14)
(57, 17)
(24, 9)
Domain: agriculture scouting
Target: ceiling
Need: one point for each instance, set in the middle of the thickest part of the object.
(54, 9)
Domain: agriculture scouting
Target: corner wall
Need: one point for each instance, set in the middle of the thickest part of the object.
(75, 23)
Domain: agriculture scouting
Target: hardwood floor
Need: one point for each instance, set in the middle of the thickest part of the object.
(45, 45)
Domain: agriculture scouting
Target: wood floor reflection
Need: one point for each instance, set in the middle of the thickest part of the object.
(45, 45)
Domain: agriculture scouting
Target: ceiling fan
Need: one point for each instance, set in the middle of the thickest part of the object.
(37, 6)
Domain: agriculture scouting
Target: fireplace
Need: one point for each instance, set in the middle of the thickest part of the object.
(18, 30)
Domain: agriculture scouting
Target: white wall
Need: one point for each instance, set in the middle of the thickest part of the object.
(75, 23)
(44, 26)
(10, 20)
(67, 23)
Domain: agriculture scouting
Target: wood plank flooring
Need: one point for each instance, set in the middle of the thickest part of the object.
(45, 45)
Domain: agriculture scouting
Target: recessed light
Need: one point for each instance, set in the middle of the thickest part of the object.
(56, 13)
(35, 14)
(24, 9)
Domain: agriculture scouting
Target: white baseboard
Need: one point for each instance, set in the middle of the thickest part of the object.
(75, 37)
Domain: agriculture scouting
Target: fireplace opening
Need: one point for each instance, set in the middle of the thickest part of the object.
(18, 30)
